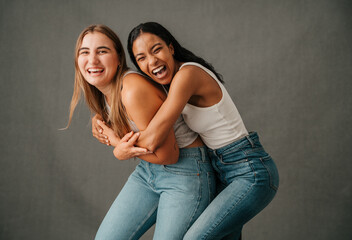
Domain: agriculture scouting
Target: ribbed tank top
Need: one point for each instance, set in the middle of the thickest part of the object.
(217, 125)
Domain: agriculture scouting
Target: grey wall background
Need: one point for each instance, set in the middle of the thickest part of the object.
(287, 65)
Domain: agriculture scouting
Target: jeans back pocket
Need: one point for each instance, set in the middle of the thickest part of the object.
(270, 166)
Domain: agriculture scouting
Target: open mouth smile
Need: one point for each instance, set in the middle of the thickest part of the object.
(95, 70)
(159, 72)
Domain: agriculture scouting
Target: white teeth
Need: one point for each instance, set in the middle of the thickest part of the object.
(95, 70)
(155, 71)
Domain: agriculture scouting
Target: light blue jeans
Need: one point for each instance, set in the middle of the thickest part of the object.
(247, 181)
(173, 196)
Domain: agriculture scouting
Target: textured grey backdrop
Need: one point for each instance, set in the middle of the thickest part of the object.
(287, 65)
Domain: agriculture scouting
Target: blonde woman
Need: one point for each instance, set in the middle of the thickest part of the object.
(170, 186)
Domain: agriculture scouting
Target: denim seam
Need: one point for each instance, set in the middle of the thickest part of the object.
(211, 193)
(197, 206)
(179, 172)
(233, 163)
(253, 150)
(238, 145)
(145, 220)
(227, 212)
(197, 160)
(270, 177)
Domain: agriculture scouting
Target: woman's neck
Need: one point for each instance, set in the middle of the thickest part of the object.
(107, 93)
(178, 65)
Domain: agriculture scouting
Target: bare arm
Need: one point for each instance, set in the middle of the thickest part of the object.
(97, 130)
(142, 100)
(183, 87)
(124, 148)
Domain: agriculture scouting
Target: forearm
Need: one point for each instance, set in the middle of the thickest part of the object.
(159, 127)
(162, 160)
(162, 122)
(167, 153)
(153, 137)
(152, 157)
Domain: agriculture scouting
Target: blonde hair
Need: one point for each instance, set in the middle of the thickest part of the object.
(95, 99)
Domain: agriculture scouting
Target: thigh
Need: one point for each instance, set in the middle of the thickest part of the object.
(187, 189)
(132, 213)
(220, 218)
(240, 201)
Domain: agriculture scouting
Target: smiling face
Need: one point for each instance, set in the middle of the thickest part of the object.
(155, 58)
(98, 60)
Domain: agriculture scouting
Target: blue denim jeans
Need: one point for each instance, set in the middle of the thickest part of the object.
(172, 196)
(247, 181)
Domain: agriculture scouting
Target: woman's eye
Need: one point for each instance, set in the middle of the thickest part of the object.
(140, 59)
(83, 53)
(102, 52)
(157, 50)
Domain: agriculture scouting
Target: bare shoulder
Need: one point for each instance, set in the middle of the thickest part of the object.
(189, 71)
(137, 89)
(192, 74)
(135, 81)
(192, 77)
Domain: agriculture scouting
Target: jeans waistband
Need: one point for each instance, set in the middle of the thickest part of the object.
(246, 140)
(200, 152)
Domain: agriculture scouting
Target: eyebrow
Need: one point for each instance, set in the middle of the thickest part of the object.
(101, 47)
(156, 44)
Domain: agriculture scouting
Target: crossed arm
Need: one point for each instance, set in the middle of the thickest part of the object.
(184, 85)
(141, 100)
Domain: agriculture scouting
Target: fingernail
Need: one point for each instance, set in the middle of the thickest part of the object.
(100, 130)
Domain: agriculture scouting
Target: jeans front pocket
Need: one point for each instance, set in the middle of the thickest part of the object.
(187, 166)
(233, 156)
(270, 166)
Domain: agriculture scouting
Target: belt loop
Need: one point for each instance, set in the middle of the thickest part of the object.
(202, 153)
(250, 141)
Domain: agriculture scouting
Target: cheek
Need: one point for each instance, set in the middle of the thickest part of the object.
(112, 62)
(142, 66)
(81, 64)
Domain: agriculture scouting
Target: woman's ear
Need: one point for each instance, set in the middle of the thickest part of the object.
(172, 50)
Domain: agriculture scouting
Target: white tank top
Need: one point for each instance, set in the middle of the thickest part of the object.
(183, 134)
(217, 125)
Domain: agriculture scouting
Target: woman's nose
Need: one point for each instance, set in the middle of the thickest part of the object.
(153, 61)
(93, 59)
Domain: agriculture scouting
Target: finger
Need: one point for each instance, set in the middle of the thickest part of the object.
(99, 129)
(134, 138)
(97, 132)
(103, 139)
(99, 136)
(140, 151)
(127, 137)
(97, 116)
(102, 124)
